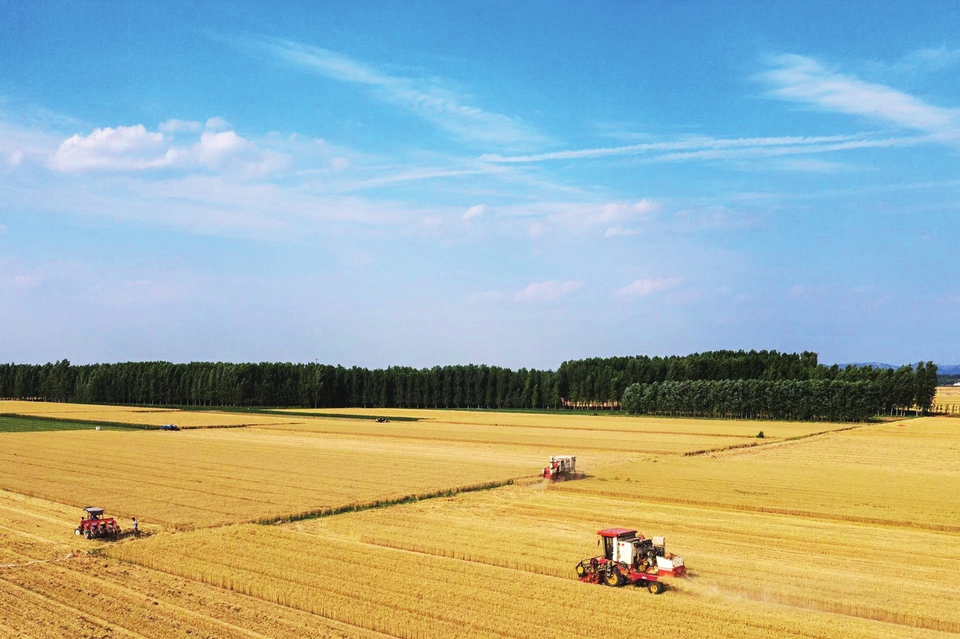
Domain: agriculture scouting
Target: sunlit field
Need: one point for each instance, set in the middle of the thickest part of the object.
(852, 532)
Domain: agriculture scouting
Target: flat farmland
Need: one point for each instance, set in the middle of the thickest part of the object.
(593, 422)
(947, 399)
(563, 433)
(782, 588)
(50, 588)
(903, 473)
(139, 415)
(556, 440)
(211, 477)
(817, 530)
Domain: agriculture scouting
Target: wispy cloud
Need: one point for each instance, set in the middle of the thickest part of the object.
(474, 211)
(706, 148)
(648, 286)
(429, 98)
(546, 291)
(805, 80)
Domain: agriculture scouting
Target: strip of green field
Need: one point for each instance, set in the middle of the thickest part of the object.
(20, 424)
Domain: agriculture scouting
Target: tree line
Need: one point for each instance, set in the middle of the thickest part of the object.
(597, 380)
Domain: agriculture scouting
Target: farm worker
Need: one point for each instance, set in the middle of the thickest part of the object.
(136, 527)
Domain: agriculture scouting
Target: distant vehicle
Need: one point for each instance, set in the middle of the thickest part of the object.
(382, 420)
(562, 467)
(96, 526)
(169, 427)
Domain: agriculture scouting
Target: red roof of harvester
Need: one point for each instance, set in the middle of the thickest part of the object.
(616, 532)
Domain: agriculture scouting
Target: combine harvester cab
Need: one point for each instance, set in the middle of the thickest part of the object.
(629, 558)
(96, 526)
(562, 467)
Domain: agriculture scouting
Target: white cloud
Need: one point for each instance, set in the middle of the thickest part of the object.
(649, 286)
(339, 164)
(426, 98)
(474, 211)
(124, 148)
(137, 149)
(179, 126)
(217, 123)
(546, 291)
(805, 80)
(15, 159)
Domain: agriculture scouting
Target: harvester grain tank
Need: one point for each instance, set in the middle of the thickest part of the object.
(629, 558)
(96, 526)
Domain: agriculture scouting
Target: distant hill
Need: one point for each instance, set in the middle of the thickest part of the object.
(873, 364)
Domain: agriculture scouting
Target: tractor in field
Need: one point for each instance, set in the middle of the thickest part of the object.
(629, 558)
(96, 526)
(562, 467)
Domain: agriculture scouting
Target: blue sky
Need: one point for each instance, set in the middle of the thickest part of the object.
(518, 184)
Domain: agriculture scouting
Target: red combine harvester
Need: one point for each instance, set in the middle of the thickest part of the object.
(96, 526)
(562, 467)
(629, 558)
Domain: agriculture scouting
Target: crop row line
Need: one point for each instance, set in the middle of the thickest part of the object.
(383, 503)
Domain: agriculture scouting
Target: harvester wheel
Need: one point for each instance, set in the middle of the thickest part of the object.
(581, 571)
(655, 587)
(613, 578)
(77, 532)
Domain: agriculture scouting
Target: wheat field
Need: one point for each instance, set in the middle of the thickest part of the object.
(853, 532)
(140, 415)
(947, 400)
(213, 477)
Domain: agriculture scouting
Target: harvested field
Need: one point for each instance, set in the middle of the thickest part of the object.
(420, 593)
(139, 415)
(210, 477)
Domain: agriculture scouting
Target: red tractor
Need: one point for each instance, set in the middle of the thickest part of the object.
(629, 558)
(96, 526)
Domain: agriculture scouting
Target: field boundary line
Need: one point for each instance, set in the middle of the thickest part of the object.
(773, 442)
(384, 503)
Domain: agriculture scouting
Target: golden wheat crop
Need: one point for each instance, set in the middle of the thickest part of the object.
(140, 415)
(588, 422)
(829, 567)
(208, 477)
(552, 440)
(900, 473)
(947, 400)
(421, 594)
